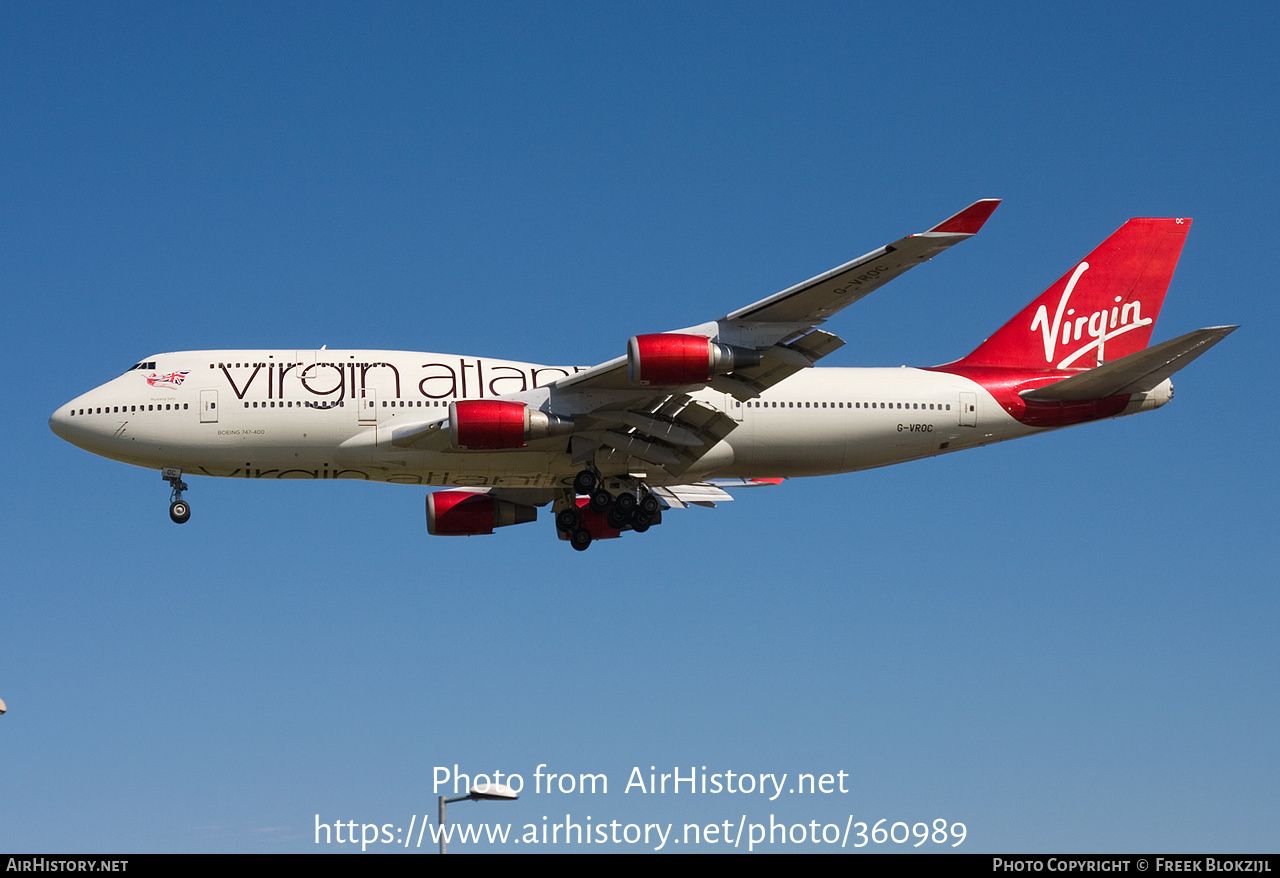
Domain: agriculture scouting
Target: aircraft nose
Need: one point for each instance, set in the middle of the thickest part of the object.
(58, 422)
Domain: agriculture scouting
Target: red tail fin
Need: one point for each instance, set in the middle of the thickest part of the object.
(1102, 309)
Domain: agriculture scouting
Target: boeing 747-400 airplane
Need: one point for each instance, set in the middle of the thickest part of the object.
(679, 419)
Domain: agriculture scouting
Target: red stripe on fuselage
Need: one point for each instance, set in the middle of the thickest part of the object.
(1005, 383)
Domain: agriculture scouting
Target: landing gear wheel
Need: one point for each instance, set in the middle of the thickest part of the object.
(584, 482)
(601, 500)
(179, 511)
(617, 518)
(650, 505)
(580, 539)
(567, 520)
(640, 526)
(626, 503)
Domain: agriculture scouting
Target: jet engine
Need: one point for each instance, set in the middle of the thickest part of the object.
(670, 359)
(500, 423)
(471, 513)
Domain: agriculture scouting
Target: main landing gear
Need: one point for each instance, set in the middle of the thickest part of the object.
(605, 513)
(179, 509)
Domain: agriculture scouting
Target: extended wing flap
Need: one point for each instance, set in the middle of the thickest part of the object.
(672, 432)
(707, 493)
(707, 424)
(636, 446)
(1136, 373)
(700, 494)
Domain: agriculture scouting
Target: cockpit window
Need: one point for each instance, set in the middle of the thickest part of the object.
(150, 365)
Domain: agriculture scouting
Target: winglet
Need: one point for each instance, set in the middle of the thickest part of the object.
(969, 220)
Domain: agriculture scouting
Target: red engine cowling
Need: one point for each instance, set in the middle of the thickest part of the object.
(670, 359)
(500, 423)
(469, 513)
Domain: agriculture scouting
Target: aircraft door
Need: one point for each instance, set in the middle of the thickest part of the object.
(208, 406)
(968, 409)
(732, 407)
(368, 406)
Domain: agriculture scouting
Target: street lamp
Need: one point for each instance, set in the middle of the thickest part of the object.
(498, 792)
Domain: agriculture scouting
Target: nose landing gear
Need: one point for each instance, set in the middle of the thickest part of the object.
(179, 509)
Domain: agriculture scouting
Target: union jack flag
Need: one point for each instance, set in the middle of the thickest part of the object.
(173, 379)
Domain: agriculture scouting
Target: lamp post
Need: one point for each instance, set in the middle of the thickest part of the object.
(497, 792)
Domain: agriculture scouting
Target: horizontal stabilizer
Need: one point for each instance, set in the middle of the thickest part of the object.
(1136, 373)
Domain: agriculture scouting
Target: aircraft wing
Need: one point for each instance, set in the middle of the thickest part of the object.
(644, 411)
(641, 405)
(782, 328)
(813, 301)
(667, 431)
(707, 493)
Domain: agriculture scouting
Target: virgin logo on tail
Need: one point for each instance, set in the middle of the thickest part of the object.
(1100, 325)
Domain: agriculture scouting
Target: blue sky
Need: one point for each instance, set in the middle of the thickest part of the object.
(1065, 643)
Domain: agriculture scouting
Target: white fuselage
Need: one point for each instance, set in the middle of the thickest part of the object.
(329, 414)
